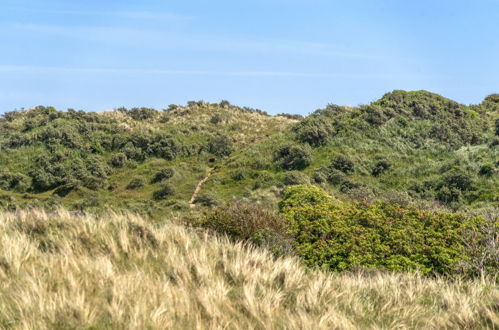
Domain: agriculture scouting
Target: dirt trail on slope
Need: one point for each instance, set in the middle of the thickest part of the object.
(198, 188)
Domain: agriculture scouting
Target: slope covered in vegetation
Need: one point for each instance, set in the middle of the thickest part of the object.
(410, 147)
(136, 159)
(60, 271)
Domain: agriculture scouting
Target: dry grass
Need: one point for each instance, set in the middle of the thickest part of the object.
(66, 271)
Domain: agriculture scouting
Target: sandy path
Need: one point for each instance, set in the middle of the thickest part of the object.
(198, 188)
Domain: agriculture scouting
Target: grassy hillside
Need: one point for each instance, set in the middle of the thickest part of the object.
(413, 148)
(90, 160)
(60, 271)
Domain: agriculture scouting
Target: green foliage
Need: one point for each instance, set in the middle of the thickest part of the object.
(381, 167)
(163, 174)
(343, 164)
(246, 222)
(119, 160)
(207, 199)
(14, 181)
(164, 192)
(293, 157)
(487, 169)
(303, 195)
(342, 236)
(313, 130)
(136, 183)
(221, 146)
(295, 178)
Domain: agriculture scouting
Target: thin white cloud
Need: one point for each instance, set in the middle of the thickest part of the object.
(168, 40)
(131, 14)
(165, 72)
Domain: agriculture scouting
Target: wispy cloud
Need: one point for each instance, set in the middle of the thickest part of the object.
(155, 39)
(130, 14)
(165, 72)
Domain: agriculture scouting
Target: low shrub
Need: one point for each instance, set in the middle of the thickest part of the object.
(118, 160)
(221, 146)
(343, 163)
(136, 183)
(343, 236)
(246, 222)
(314, 131)
(165, 191)
(381, 167)
(206, 199)
(163, 174)
(295, 177)
(293, 157)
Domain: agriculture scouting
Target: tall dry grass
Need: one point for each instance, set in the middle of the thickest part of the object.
(66, 271)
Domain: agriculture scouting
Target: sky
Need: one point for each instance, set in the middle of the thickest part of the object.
(291, 56)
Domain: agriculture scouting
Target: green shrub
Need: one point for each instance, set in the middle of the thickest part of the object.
(136, 183)
(14, 181)
(292, 157)
(142, 113)
(295, 178)
(163, 174)
(303, 195)
(487, 169)
(239, 175)
(216, 119)
(221, 146)
(246, 222)
(381, 167)
(313, 130)
(164, 192)
(206, 199)
(335, 177)
(343, 236)
(119, 160)
(319, 176)
(343, 163)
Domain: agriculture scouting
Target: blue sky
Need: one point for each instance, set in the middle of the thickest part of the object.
(277, 55)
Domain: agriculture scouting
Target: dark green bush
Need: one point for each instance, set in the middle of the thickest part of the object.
(142, 113)
(319, 176)
(292, 157)
(163, 174)
(221, 146)
(165, 191)
(206, 199)
(342, 236)
(14, 181)
(313, 130)
(118, 160)
(239, 175)
(250, 223)
(335, 177)
(487, 169)
(343, 163)
(381, 167)
(136, 183)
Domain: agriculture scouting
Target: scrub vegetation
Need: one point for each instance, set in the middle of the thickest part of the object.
(217, 216)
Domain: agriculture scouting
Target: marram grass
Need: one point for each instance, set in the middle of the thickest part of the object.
(67, 271)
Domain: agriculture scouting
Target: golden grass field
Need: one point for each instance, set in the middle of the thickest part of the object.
(67, 271)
